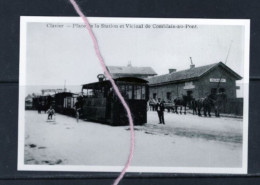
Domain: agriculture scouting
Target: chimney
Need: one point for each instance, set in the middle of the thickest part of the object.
(172, 70)
(191, 64)
(129, 64)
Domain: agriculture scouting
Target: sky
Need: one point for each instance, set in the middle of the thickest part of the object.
(65, 54)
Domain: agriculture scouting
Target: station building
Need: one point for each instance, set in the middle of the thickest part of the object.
(197, 82)
(28, 102)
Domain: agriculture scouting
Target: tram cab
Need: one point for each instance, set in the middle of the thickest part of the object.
(101, 104)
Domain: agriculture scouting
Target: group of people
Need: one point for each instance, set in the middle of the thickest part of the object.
(77, 106)
(159, 108)
(51, 111)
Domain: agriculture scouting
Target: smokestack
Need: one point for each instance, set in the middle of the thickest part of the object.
(101, 77)
(172, 70)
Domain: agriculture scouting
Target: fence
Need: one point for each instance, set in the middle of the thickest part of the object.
(233, 106)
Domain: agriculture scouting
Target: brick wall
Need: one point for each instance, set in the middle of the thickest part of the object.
(203, 86)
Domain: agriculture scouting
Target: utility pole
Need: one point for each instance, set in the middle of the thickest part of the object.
(225, 64)
(64, 86)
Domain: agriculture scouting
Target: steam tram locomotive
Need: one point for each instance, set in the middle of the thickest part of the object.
(101, 104)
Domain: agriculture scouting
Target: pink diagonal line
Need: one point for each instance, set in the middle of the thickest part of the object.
(98, 53)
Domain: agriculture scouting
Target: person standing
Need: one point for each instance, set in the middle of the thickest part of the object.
(50, 112)
(38, 107)
(77, 106)
(160, 110)
(154, 102)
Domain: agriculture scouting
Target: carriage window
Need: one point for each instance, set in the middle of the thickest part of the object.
(68, 102)
(98, 93)
(73, 101)
(143, 93)
(154, 95)
(65, 102)
(122, 89)
(129, 91)
(137, 92)
(88, 92)
(110, 93)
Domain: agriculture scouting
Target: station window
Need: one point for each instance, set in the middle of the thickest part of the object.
(189, 93)
(154, 95)
(168, 95)
(221, 90)
(214, 91)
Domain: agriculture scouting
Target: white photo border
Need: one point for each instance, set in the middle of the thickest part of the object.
(76, 168)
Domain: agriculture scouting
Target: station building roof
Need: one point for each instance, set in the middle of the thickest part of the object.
(190, 74)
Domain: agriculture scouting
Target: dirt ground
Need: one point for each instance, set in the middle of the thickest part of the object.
(185, 141)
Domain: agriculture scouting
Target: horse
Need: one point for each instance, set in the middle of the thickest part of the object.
(181, 102)
(213, 100)
(152, 104)
(169, 105)
(194, 106)
(220, 100)
(205, 103)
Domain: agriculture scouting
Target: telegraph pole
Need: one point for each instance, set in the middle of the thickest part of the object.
(64, 86)
(225, 63)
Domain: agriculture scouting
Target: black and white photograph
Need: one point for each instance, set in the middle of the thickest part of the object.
(186, 82)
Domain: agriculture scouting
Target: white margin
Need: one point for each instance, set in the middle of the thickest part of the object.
(22, 84)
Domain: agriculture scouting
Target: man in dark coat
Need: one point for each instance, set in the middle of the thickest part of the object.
(160, 110)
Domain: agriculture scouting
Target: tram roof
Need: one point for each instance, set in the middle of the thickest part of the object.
(107, 82)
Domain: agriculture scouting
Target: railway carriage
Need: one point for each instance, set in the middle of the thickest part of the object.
(101, 104)
(64, 103)
(42, 103)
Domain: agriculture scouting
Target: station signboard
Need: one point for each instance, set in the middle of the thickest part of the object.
(189, 85)
(216, 80)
